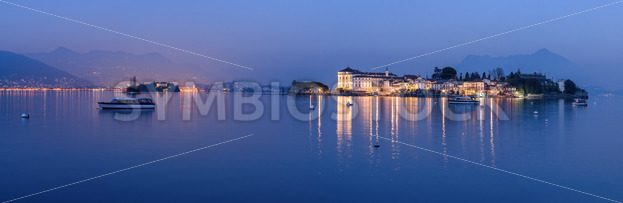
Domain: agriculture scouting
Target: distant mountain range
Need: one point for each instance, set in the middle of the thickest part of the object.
(66, 68)
(20, 71)
(107, 68)
(542, 61)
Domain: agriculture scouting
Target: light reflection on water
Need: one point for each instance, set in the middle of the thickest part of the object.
(374, 109)
(331, 154)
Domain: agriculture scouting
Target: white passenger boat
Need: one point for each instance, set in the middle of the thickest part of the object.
(579, 102)
(464, 100)
(128, 103)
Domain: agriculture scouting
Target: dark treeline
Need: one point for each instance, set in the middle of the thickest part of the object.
(533, 83)
(451, 73)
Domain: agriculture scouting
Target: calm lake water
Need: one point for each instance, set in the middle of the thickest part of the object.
(67, 139)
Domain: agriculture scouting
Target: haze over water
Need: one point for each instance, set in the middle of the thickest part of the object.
(67, 139)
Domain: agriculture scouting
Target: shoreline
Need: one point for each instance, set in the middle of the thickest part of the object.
(528, 96)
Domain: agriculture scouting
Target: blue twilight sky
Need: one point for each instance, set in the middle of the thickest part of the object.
(286, 40)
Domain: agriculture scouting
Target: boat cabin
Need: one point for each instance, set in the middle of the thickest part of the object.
(132, 101)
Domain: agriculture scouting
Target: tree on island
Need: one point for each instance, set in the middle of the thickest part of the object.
(525, 86)
(570, 87)
(533, 86)
(467, 78)
(448, 73)
(496, 73)
(475, 75)
(310, 86)
(437, 73)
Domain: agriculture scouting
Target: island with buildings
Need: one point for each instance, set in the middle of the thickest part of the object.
(447, 83)
(152, 86)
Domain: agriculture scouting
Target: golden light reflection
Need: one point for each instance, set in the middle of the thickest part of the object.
(51, 102)
(491, 140)
(54, 89)
(367, 111)
(370, 110)
(376, 119)
(482, 133)
(395, 122)
(413, 107)
(320, 104)
(429, 119)
(188, 104)
(310, 122)
(344, 129)
(443, 132)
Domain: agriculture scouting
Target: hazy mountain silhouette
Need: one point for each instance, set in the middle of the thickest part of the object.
(542, 61)
(20, 71)
(107, 68)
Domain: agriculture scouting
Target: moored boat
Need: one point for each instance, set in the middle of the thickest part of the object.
(128, 103)
(464, 100)
(579, 102)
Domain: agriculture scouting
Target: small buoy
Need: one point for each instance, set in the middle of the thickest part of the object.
(25, 115)
(376, 145)
(531, 103)
(312, 107)
(536, 112)
(348, 104)
(546, 120)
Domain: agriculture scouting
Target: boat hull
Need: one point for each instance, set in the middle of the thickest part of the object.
(464, 102)
(580, 104)
(125, 106)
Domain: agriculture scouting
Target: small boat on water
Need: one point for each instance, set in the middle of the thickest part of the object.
(579, 102)
(128, 103)
(464, 100)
